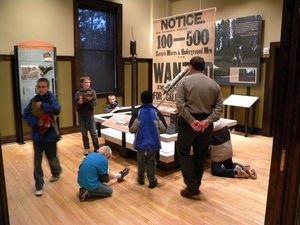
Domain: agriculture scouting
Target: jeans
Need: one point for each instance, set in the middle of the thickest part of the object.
(50, 151)
(227, 171)
(88, 124)
(192, 165)
(146, 161)
(102, 191)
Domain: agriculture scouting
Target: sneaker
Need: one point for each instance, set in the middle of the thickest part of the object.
(123, 174)
(86, 152)
(153, 184)
(187, 194)
(38, 193)
(141, 180)
(83, 194)
(54, 178)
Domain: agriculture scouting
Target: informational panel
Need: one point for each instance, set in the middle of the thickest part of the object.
(240, 101)
(34, 60)
(176, 40)
(238, 50)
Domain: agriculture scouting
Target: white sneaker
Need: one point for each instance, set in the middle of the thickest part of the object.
(86, 152)
(38, 193)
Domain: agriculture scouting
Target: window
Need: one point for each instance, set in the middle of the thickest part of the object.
(98, 44)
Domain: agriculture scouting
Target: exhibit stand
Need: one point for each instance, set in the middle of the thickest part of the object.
(33, 60)
(247, 102)
(113, 127)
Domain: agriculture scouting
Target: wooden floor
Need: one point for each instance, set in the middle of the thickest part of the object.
(223, 200)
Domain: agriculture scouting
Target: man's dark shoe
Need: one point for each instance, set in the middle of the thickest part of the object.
(123, 174)
(187, 194)
(83, 194)
(153, 184)
(141, 180)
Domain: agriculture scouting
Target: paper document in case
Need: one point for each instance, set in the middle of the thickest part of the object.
(118, 122)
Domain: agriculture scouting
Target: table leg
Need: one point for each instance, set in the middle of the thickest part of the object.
(253, 120)
(225, 111)
(246, 122)
(98, 125)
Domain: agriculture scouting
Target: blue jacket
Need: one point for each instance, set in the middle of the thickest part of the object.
(50, 106)
(90, 171)
(147, 123)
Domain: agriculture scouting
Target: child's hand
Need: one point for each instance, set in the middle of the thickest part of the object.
(88, 98)
(80, 101)
(38, 104)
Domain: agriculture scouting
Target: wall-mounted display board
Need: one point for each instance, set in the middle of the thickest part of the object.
(176, 39)
(33, 60)
(238, 51)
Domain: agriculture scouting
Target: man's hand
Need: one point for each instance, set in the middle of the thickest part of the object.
(204, 124)
(200, 126)
(196, 125)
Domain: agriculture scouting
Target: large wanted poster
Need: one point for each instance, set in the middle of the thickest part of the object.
(176, 40)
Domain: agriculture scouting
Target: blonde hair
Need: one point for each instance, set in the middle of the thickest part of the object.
(105, 151)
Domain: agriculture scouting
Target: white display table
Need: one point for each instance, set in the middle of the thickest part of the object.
(124, 139)
(247, 102)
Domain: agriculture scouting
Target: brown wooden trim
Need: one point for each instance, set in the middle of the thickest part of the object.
(4, 215)
(127, 60)
(110, 7)
(6, 58)
(283, 193)
(268, 114)
(73, 80)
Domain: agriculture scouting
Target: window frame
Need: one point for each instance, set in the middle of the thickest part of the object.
(108, 7)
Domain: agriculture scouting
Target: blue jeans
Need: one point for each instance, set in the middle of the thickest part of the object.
(50, 151)
(146, 161)
(88, 124)
(227, 171)
(102, 191)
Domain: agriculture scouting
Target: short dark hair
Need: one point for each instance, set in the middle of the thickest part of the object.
(146, 97)
(43, 79)
(197, 63)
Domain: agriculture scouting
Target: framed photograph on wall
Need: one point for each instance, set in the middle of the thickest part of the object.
(238, 51)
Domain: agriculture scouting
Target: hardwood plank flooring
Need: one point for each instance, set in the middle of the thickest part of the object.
(223, 200)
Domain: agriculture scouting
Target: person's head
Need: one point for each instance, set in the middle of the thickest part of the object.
(111, 99)
(42, 86)
(146, 97)
(197, 63)
(85, 82)
(105, 151)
